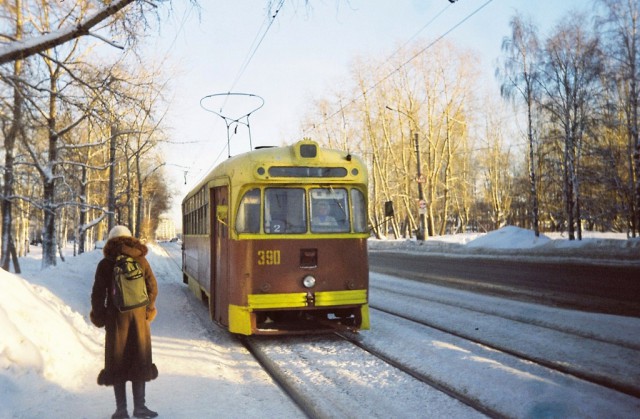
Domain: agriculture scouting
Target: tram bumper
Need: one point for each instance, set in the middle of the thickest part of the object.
(317, 306)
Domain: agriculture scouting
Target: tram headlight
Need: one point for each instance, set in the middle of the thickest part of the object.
(309, 281)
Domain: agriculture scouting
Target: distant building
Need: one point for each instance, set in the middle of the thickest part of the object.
(166, 229)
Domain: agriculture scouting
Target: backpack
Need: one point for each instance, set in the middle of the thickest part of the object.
(129, 287)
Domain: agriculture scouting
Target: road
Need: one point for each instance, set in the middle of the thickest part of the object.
(468, 355)
(600, 288)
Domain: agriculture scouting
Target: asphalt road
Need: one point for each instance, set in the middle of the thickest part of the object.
(599, 288)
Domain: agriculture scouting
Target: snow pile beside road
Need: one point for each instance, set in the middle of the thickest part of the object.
(509, 237)
(513, 242)
(44, 345)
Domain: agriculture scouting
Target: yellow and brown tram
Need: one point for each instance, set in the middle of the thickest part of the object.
(275, 241)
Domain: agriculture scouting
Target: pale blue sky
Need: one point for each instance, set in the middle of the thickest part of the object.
(306, 50)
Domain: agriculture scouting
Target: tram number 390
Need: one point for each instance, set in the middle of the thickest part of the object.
(268, 257)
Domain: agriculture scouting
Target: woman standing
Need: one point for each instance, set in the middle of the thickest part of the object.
(128, 339)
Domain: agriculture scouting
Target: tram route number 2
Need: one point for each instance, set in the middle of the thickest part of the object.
(268, 257)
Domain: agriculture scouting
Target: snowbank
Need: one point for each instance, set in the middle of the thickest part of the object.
(515, 242)
(44, 345)
(509, 237)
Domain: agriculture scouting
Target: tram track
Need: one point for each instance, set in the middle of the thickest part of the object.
(598, 371)
(398, 366)
(436, 384)
(555, 365)
(302, 400)
(282, 357)
(324, 395)
(394, 335)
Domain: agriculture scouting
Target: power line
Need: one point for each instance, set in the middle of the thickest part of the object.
(379, 82)
(414, 35)
(255, 45)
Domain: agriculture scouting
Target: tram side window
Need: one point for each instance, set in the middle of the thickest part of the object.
(329, 210)
(284, 211)
(359, 211)
(248, 217)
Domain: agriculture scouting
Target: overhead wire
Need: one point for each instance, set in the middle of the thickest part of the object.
(253, 48)
(271, 17)
(401, 47)
(416, 55)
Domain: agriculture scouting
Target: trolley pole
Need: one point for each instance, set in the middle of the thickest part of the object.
(422, 204)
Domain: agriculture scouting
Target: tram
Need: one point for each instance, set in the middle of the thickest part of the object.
(275, 241)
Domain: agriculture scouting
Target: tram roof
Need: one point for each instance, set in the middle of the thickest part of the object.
(303, 153)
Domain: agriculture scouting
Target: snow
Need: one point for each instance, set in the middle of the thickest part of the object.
(50, 353)
(510, 238)
(510, 241)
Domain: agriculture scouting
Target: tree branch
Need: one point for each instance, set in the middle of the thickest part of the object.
(23, 49)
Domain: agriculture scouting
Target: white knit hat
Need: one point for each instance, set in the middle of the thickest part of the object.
(119, 231)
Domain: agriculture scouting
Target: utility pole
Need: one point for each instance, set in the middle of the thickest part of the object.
(422, 204)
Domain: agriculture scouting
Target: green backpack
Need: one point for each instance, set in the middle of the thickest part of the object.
(129, 287)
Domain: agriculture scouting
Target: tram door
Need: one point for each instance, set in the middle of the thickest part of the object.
(219, 301)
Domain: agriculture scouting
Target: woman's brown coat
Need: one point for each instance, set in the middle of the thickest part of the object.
(128, 340)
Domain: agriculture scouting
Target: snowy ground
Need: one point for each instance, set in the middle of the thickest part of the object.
(50, 353)
(514, 242)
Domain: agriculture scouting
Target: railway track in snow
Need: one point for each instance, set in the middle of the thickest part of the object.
(335, 376)
(486, 356)
(448, 353)
(318, 372)
(580, 351)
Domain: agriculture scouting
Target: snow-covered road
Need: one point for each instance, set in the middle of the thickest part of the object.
(599, 347)
(50, 354)
(533, 361)
(595, 345)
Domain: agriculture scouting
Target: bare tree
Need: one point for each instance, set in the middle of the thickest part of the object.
(425, 98)
(573, 64)
(75, 28)
(519, 74)
(622, 25)
(498, 178)
(15, 128)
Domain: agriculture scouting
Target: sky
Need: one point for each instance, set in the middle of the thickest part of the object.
(50, 349)
(291, 59)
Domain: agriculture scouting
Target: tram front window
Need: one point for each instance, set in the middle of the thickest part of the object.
(284, 211)
(329, 210)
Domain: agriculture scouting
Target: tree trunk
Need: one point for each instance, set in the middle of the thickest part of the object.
(111, 204)
(533, 189)
(81, 235)
(49, 245)
(9, 145)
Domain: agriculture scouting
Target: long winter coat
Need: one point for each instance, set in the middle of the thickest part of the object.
(128, 339)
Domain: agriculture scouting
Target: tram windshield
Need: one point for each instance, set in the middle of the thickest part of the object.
(329, 210)
(285, 211)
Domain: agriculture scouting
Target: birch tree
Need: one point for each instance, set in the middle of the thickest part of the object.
(11, 134)
(622, 29)
(495, 161)
(520, 75)
(427, 97)
(572, 62)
